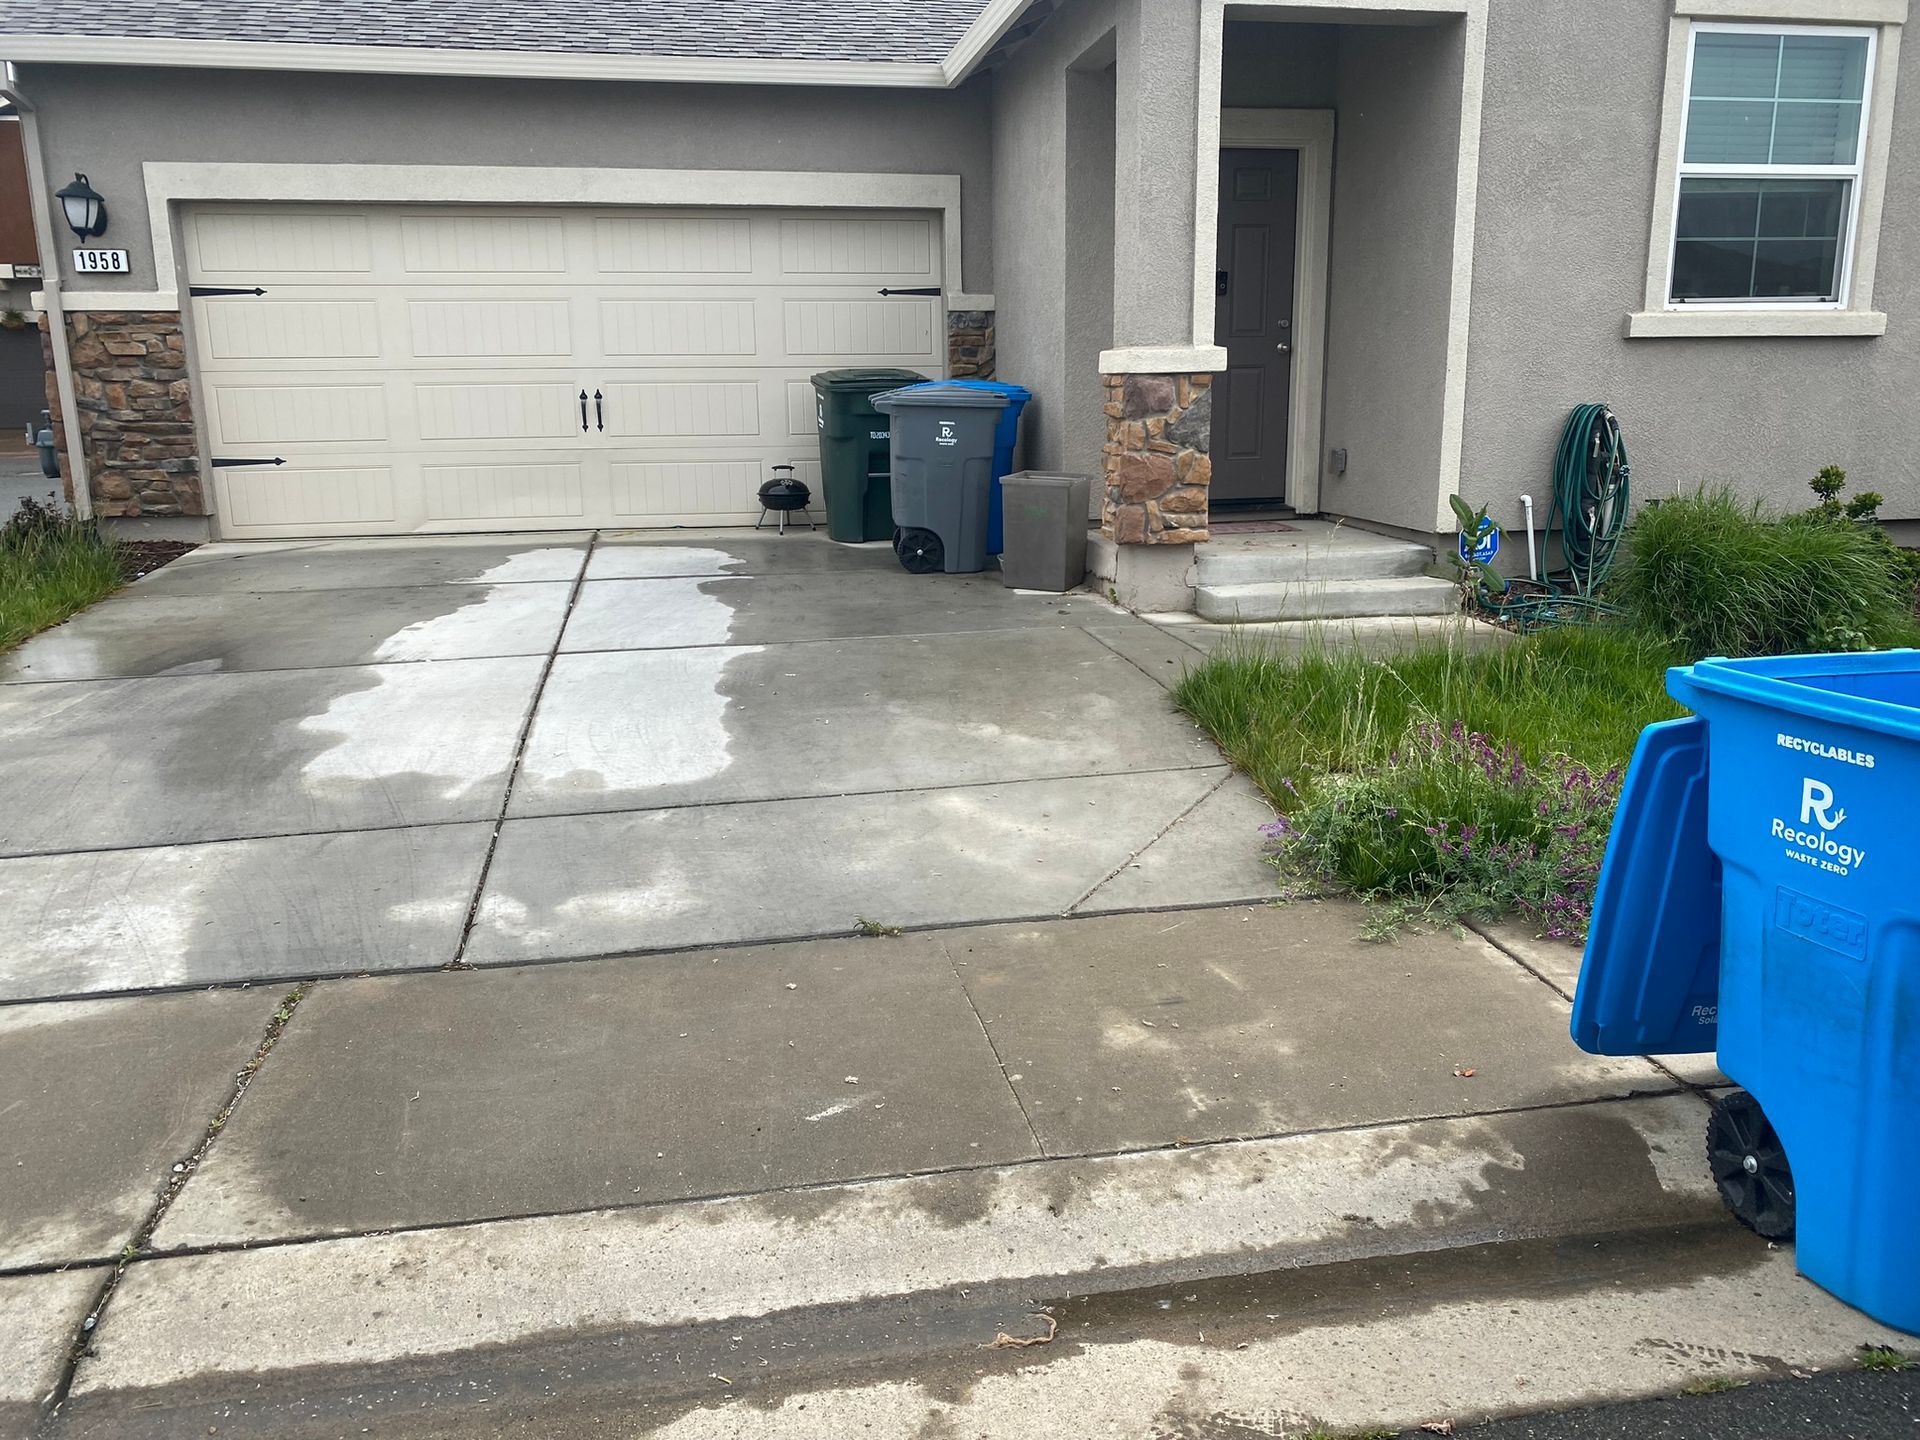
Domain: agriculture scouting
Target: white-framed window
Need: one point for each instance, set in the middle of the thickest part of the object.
(1772, 166)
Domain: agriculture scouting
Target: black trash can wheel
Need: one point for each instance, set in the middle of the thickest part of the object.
(921, 551)
(1750, 1166)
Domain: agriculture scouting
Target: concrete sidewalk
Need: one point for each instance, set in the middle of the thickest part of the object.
(433, 1173)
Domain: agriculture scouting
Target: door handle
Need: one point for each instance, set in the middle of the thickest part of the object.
(583, 412)
(599, 411)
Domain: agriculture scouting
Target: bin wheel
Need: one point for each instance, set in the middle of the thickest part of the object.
(1750, 1166)
(921, 552)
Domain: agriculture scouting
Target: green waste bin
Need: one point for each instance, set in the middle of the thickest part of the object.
(855, 463)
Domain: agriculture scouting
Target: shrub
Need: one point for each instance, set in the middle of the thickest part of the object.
(1456, 825)
(1720, 576)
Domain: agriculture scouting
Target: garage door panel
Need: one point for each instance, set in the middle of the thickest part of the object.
(299, 330)
(297, 413)
(504, 492)
(439, 245)
(285, 242)
(312, 496)
(698, 488)
(473, 327)
(683, 409)
(480, 410)
(672, 330)
(857, 246)
(673, 246)
(840, 329)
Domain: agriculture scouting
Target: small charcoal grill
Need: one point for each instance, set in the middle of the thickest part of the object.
(782, 495)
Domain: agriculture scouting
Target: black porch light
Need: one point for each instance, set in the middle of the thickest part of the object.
(86, 207)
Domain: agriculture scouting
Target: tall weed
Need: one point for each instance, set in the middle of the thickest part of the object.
(1722, 576)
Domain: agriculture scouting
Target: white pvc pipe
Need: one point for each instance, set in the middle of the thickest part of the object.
(1533, 556)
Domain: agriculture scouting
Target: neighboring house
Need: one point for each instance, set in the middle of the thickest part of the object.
(22, 377)
(485, 266)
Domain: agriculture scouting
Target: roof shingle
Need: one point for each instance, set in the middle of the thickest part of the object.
(911, 31)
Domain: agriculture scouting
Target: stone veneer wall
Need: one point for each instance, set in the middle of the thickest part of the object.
(970, 353)
(1159, 429)
(136, 412)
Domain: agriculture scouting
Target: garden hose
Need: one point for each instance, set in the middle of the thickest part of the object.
(1591, 492)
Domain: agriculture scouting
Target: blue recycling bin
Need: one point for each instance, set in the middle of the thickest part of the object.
(1005, 440)
(1761, 899)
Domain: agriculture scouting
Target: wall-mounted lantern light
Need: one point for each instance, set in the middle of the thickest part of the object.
(86, 207)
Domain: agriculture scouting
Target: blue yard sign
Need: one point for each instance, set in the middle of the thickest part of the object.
(1480, 549)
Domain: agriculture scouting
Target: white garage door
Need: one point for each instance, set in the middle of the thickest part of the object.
(454, 369)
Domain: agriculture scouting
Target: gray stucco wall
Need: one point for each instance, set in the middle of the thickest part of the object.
(1030, 213)
(1058, 232)
(1390, 277)
(107, 121)
(1091, 106)
(1566, 196)
(1264, 65)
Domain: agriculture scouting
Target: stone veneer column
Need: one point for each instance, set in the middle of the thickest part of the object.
(970, 349)
(136, 412)
(1159, 429)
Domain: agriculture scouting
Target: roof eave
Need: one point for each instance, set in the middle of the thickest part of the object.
(496, 64)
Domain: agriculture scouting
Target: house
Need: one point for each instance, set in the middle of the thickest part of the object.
(22, 382)
(394, 268)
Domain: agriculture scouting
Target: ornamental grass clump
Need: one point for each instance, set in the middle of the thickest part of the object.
(1455, 825)
(51, 565)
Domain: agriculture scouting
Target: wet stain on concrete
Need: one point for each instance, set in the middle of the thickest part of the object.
(586, 1386)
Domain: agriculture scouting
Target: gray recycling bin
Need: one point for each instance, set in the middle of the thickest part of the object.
(942, 453)
(1045, 518)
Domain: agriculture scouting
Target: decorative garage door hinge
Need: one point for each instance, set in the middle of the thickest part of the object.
(918, 290)
(224, 290)
(220, 462)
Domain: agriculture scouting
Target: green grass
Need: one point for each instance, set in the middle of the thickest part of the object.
(1584, 692)
(49, 569)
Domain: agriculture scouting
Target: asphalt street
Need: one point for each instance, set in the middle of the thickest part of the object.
(1845, 1405)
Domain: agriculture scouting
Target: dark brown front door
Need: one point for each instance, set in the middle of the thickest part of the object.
(1253, 318)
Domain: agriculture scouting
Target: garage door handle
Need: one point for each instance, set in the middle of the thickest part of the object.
(583, 412)
(599, 411)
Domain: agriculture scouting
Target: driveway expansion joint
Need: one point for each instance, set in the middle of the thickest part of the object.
(177, 1178)
(987, 1034)
(459, 961)
(1159, 835)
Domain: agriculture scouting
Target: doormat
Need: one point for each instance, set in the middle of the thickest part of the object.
(1250, 527)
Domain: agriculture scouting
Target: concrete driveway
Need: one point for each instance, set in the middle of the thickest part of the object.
(318, 758)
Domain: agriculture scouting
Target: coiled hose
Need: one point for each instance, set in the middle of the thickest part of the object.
(1592, 488)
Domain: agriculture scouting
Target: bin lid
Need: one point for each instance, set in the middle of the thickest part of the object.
(1016, 394)
(1876, 690)
(865, 379)
(941, 394)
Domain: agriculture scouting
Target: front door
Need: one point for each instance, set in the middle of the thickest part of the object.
(1253, 319)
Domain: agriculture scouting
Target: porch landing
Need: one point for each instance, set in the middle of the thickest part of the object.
(1310, 570)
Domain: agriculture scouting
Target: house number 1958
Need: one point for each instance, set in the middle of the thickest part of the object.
(100, 262)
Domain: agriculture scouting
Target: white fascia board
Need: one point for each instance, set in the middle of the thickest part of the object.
(500, 64)
(981, 36)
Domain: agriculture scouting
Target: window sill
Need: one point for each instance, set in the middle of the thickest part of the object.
(1753, 324)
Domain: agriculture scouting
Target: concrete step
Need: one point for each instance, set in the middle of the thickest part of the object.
(1326, 599)
(1277, 559)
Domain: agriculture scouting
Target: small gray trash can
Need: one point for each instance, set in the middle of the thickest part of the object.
(942, 454)
(1046, 530)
